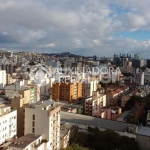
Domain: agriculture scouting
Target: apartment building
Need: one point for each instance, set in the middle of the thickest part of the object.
(28, 93)
(29, 142)
(139, 78)
(88, 88)
(133, 115)
(109, 112)
(18, 103)
(112, 97)
(12, 89)
(45, 88)
(8, 123)
(9, 79)
(94, 104)
(36, 91)
(2, 78)
(10, 68)
(114, 92)
(66, 91)
(71, 108)
(12, 78)
(43, 118)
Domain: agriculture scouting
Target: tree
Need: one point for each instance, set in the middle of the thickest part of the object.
(97, 140)
(131, 102)
(75, 147)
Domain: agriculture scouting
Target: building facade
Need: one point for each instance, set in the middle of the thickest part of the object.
(18, 103)
(8, 123)
(88, 88)
(43, 118)
(29, 142)
(66, 91)
(36, 91)
(2, 78)
(94, 104)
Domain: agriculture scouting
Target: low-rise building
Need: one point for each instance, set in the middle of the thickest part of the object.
(67, 132)
(29, 142)
(132, 115)
(108, 112)
(114, 93)
(77, 109)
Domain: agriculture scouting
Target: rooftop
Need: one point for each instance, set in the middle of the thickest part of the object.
(66, 105)
(48, 104)
(4, 110)
(93, 121)
(64, 129)
(43, 103)
(123, 115)
(24, 141)
(144, 131)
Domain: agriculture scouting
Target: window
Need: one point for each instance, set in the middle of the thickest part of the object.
(32, 130)
(33, 123)
(33, 117)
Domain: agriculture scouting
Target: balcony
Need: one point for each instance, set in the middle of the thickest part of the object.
(38, 145)
(86, 108)
(55, 118)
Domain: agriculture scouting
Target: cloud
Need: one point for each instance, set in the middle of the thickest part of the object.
(47, 45)
(84, 27)
(96, 42)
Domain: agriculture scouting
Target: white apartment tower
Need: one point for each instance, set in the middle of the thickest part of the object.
(88, 88)
(94, 103)
(8, 123)
(43, 118)
(142, 79)
(2, 78)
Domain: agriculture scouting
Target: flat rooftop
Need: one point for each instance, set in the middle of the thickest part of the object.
(123, 115)
(43, 103)
(64, 129)
(46, 103)
(66, 105)
(24, 141)
(93, 121)
(144, 131)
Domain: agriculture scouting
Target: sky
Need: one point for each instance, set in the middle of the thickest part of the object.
(84, 27)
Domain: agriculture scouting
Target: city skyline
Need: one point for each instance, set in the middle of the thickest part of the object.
(98, 27)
